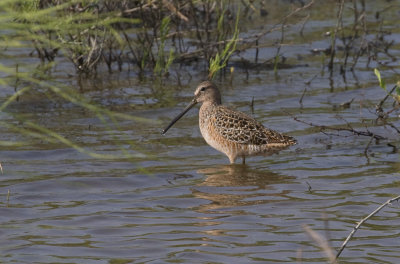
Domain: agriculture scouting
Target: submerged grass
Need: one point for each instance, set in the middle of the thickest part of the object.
(220, 60)
(162, 63)
(90, 35)
(146, 36)
(51, 31)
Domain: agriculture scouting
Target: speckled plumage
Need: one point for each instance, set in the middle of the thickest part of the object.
(231, 132)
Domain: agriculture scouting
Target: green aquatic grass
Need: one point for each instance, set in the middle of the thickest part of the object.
(382, 82)
(57, 31)
(25, 27)
(162, 63)
(395, 92)
(220, 60)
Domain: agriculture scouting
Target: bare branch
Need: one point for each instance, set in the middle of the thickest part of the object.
(173, 9)
(362, 221)
(378, 107)
(348, 129)
(333, 45)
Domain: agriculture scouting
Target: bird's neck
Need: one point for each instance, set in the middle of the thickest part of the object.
(207, 108)
(211, 103)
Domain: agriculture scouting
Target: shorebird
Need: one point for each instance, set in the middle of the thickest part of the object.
(232, 132)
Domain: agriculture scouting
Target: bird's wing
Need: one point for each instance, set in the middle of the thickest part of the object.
(240, 128)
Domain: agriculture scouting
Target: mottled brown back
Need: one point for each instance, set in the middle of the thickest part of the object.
(240, 128)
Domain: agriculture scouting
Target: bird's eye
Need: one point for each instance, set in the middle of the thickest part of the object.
(202, 89)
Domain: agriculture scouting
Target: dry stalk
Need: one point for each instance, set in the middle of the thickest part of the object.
(8, 197)
(173, 9)
(333, 45)
(363, 221)
(132, 10)
(322, 243)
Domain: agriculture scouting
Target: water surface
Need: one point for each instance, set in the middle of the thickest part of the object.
(176, 200)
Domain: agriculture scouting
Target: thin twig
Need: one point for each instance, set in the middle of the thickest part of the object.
(132, 10)
(256, 59)
(252, 105)
(389, 94)
(8, 197)
(173, 9)
(367, 147)
(333, 44)
(348, 129)
(309, 4)
(302, 96)
(362, 221)
(279, 47)
(250, 40)
(303, 25)
(394, 127)
(312, 79)
(277, 26)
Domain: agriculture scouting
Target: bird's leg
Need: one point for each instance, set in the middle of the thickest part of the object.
(243, 159)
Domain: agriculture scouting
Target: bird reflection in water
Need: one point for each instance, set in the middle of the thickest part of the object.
(234, 186)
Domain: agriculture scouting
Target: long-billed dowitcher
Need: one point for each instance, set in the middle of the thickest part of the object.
(231, 132)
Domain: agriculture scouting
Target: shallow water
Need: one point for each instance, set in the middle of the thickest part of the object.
(178, 200)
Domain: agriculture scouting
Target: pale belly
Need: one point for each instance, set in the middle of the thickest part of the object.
(213, 139)
(229, 148)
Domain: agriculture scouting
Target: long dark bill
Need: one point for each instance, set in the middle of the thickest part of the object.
(192, 103)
